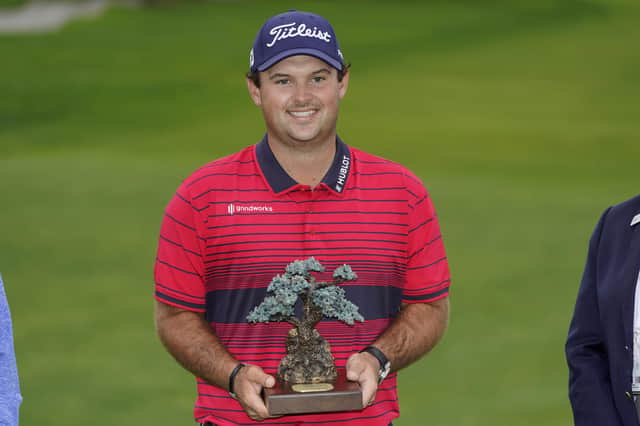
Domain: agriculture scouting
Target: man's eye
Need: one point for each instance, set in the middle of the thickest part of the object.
(282, 81)
(318, 79)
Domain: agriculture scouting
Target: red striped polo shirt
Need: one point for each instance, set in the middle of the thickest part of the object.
(238, 221)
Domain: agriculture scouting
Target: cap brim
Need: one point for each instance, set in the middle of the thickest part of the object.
(303, 51)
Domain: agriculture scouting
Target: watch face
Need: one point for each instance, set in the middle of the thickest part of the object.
(384, 371)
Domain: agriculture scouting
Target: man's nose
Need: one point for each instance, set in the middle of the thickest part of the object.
(302, 93)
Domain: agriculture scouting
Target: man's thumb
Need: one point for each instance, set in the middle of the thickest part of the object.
(353, 374)
(269, 382)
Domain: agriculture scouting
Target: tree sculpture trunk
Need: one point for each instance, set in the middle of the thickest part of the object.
(308, 358)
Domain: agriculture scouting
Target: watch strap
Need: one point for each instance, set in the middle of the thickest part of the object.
(232, 379)
(378, 354)
(385, 364)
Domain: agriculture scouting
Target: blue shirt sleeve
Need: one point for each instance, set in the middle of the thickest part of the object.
(10, 397)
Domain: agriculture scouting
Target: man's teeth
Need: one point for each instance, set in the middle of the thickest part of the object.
(301, 113)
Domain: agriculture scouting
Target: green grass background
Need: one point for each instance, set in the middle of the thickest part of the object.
(520, 116)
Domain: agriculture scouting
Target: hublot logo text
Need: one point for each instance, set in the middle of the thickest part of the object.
(342, 173)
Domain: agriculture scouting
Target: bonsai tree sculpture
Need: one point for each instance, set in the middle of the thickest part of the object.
(308, 358)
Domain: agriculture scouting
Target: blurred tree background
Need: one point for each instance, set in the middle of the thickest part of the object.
(520, 116)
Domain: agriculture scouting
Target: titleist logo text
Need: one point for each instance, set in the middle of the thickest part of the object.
(290, 30)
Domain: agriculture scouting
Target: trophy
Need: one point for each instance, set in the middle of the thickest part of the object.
(307, 379)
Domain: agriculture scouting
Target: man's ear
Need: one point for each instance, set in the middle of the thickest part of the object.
(254, 92)
(344, 84)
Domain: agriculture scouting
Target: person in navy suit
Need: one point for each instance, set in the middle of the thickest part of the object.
(604, 383)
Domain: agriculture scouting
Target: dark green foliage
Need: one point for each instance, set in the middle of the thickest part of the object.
(297, 282)
(334, 304)
(345, 272)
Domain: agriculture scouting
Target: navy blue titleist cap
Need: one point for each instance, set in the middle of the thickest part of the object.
(295, 33)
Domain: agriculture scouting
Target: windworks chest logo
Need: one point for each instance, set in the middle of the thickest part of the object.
(248, 209)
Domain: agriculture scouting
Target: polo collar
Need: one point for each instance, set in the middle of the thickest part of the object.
(335, 179)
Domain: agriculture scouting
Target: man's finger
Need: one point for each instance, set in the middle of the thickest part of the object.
(364, 371)
(257, 376)
(249, 391)
(354, 367)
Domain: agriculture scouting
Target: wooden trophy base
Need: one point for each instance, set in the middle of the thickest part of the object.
(283, 399)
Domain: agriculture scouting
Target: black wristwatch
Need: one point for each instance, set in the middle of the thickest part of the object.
(385, 364)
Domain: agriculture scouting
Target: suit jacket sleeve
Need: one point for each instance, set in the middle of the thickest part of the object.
(590, 390)
(10, 397)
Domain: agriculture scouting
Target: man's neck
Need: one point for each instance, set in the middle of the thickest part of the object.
(306, 163)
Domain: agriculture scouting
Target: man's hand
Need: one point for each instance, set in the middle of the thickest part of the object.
(362, 367)
(248, 386)
(191, 341)
(413, 333)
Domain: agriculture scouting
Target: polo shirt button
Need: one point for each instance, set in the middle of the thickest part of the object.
(626, 348)
(628, 395)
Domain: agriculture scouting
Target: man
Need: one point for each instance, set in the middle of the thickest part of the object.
(10, 397)
(603, 346)
(300, 192)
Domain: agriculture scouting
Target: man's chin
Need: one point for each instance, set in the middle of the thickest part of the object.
(304, 137)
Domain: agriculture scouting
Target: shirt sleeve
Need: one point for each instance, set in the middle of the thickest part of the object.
(428, 277)
(10, 397)
(179, 268)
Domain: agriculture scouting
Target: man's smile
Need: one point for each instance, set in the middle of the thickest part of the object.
(303, 114)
